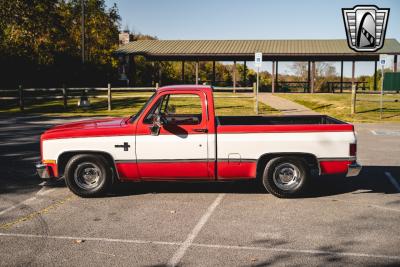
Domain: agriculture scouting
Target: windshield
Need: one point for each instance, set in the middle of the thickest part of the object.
(133, 117)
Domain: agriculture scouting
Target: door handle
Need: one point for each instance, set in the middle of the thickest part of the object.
(200, 130)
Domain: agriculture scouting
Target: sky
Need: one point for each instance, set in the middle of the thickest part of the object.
(249, 19)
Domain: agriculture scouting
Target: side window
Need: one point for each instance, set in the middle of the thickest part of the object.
(182, 109)
(178, 109)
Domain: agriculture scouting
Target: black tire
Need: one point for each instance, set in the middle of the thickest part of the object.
(286, 177)
(88, 175)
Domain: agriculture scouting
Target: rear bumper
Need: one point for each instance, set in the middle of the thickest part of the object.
(44, 172)
(354, 169)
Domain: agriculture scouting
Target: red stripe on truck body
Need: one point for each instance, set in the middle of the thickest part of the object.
(298, 128)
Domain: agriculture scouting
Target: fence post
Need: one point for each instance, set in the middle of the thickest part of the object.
(21, 97)
(254, 88)
(157, 86)
(353, 99)
(65, 98)
(109, 96)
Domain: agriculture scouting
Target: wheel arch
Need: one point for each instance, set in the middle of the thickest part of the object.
(310, 159)
(65, 156)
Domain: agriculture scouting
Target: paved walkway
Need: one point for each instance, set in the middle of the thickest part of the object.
(286, 106)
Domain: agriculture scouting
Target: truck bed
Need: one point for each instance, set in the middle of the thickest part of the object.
(277, 120)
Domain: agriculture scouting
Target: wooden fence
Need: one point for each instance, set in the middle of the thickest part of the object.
(65, 93)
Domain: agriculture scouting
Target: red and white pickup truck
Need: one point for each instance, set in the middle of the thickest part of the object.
(176, 136)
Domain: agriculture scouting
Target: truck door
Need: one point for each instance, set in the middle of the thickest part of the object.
(180, 149)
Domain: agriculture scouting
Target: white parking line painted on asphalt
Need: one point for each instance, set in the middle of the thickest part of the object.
(364, 204)
(385, 132)
(112, 240)
(385, 208)
(300, 251)
(17, 205)
(216, 246)
(176, 258)
(41, 192)
(393, 181)
(44, 191)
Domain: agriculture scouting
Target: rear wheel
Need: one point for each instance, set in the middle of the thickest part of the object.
(88, 175)
(285, 176)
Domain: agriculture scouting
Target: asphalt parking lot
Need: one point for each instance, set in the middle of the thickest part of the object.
(343, 221)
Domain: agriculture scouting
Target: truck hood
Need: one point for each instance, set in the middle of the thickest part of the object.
(88, 128)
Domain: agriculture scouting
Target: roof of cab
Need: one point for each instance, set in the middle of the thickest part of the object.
(185, 87)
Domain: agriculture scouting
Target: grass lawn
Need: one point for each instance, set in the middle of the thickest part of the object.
(338, 106)
(225, 105)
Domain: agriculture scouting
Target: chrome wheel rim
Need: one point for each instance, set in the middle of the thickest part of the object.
(287, 176)
(87, 175)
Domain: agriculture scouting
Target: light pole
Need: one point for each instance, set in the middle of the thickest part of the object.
(258, 82)
(381, 100)
(383, 61)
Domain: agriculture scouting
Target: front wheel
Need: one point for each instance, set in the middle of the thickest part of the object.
(285, 177)
(88, 175)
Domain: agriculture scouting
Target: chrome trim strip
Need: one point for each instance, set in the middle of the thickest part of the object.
(125, 161)
(237, 160)
(337, 159)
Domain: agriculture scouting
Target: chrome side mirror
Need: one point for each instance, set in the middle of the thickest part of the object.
(155, 130)
(158, 121)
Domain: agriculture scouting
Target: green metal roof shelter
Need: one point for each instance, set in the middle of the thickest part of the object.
(243, 50)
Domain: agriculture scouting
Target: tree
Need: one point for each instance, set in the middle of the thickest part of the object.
(300, 69)
(325, 72)
(40, 41)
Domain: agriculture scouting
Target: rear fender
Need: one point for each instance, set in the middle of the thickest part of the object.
(310, 159)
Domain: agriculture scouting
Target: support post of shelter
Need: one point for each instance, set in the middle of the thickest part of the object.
(273, 77)
(244, 73)
(395, 63)
(183, 72)
(309, 76)
(154, 78)
(132, 79)
(159, 72)
(353, 71)
(213, 73)
(276, 75)
(341, 76)
(234, 76)
(312, 77)
(353, 88)
(197, 72)
(375, 75)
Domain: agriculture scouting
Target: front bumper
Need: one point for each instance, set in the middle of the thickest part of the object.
(44, 172)
(354, 169)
